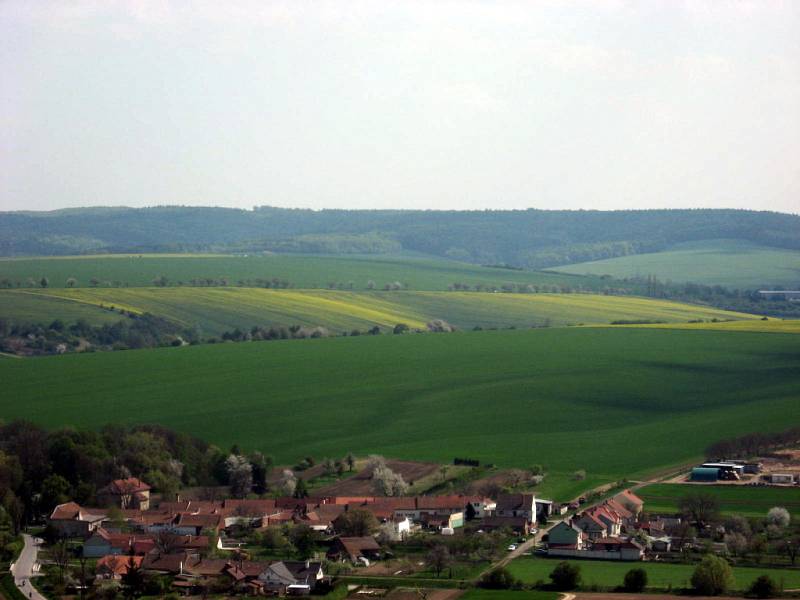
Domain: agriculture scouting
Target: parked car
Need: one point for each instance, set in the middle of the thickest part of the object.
(512, 547)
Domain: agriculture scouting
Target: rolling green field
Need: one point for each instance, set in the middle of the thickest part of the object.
(610, 401)
(216, 310)
(659, 575)
(301, 271)
(732, 263)
(742, 500)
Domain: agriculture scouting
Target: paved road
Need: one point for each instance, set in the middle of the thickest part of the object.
(27, 567)
(535, 539)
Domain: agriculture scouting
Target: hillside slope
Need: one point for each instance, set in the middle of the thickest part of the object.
(215, 310)
(731, 263)
(526, 238)
(304, 271)
(610, 401)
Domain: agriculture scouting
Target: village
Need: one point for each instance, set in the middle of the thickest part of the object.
(205, 545)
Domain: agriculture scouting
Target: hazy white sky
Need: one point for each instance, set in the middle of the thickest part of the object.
(436, 104)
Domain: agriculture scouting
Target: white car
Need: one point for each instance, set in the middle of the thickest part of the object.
(512, 547)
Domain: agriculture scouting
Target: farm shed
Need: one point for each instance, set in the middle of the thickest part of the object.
(781, 478)
(704, 474)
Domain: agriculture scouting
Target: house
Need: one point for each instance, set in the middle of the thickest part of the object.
(611, 519)
(396, 529)
(354, 548)
(618, 549)
(516, 505)
(630, 501)
(72, 520)
(105, 543)
(591, 525)
(439, 521)
(114, 566)
(291, 577)
(125, 493)
(565, 535)
(195, 524)
(519, 525)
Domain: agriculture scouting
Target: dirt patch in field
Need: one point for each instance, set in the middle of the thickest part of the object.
(608, 596)
(361, 484)
(429, 594)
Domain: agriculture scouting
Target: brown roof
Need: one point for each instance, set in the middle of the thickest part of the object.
(67, 511)
(72, 511)
(515, 501)
(355, 546)
(116, 564)
(203, 521)
(131, 485)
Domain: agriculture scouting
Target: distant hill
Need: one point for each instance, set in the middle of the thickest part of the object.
(528, 238)
(731, 263)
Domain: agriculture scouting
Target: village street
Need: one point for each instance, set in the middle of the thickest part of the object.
(26, 567)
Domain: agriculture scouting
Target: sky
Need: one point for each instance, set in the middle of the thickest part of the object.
(597, 104)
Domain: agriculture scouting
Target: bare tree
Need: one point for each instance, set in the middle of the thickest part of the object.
(60, 555)
(438, 559)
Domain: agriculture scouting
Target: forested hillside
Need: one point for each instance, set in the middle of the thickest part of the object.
(530, 238)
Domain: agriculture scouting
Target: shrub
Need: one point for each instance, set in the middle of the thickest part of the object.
(635, 581)
(763, 587)
(498, 579)
(712, 576)
(566, 576)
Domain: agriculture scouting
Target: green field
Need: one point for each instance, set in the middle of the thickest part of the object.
(301, 271)
(731, 263)
(742, 500)
(24, 307)
(610, 401)
(660, 575)
(220, 309)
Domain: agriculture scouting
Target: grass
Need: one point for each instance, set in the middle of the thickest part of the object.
(611, 401)
(659, 575)
(742, 500)
(731, 263)
(220, 309)
(302, 271)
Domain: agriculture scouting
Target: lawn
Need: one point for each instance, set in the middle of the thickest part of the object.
(220, 309)
(742, 500)
(610, 401)
(731, 263)
(302, 271)
(659, 575)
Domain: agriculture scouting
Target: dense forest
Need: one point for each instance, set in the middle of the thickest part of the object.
(527, 238)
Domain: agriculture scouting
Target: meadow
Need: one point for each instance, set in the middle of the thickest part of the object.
(733, 499)
(302, 271)
(615, 402)
(731, 263)
(215, 310)
(610, 574)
